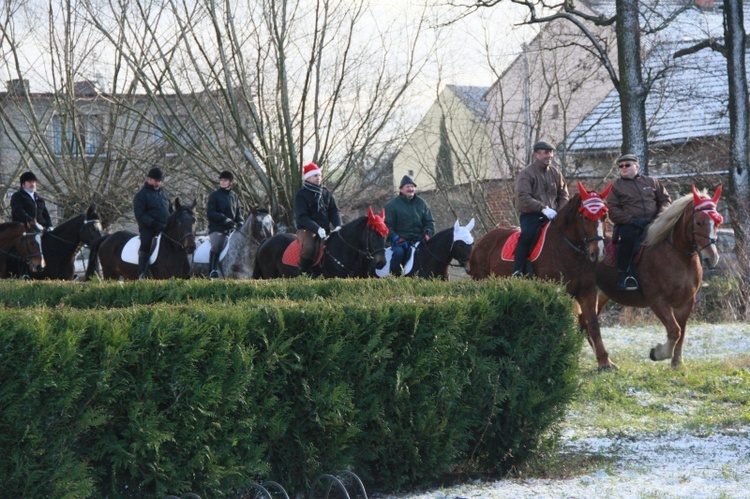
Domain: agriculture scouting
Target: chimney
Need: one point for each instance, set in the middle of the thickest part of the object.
(18, 87)
(705, 4)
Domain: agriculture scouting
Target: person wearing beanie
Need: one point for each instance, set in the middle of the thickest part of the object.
(409, 220)
(224, 214)
(315, 213)
(540, 192)
(634, 202)
(27, 206)
(152, 208)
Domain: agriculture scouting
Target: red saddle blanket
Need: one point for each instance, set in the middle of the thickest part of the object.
(509, 248)
(610, 255)
(292, 252)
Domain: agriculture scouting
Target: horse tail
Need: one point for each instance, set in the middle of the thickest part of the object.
(257, 273)
(93, 265)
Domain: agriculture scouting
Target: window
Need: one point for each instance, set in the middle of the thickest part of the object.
(65, 136)
(555, 111)
(170, 130)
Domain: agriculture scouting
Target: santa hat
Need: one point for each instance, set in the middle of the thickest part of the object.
(310, 169)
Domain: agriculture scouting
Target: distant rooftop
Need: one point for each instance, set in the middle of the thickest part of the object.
(473, 98)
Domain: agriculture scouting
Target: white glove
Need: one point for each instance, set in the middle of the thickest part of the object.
(49, 229)
(549, 212)
(338, 228)
(39, 227)
(321, 233)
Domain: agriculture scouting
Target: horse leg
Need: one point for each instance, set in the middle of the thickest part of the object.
(665, 313)
(682, 317)
(589, 318)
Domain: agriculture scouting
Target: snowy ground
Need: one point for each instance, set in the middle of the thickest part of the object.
(674, 465)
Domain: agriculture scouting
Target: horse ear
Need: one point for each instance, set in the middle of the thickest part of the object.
(582, 191)
(370, 214)
(717, 194)
(177, 203)
(382, 213)
(696, 196)
(605, 192)
(456, 225)
(470, 225)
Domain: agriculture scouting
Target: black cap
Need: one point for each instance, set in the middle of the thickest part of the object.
(543, 145)
(405, 181)
(156, 174)
(627, 157)
(227, 175)
(26, 176)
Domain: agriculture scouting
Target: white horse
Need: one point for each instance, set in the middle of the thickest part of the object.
(238, 255)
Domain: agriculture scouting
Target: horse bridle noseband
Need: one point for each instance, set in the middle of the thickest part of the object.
(586, 240)
(696, 249)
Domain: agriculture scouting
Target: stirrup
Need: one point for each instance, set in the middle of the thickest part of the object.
(518, 273)
(214, 274)
(630, 283)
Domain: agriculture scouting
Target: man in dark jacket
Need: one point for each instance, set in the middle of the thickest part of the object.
(152, 208)
(26, 205)
(316, 212)
(224, 214)
(634, 202)
(540, 192)
(409, 220)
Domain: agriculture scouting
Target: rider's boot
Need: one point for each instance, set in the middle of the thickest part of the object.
(305, 267)
(142, 265)
(214, 262)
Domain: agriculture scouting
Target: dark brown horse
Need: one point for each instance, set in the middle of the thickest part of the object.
(61, 244)
(669, 270)
(356, 250)
(20, 248)
(177, 242)
(573, 245)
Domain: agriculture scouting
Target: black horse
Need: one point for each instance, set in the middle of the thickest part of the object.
(356, 250)
(177, 242)
(433, 258)
(61, 244)
(20, 250)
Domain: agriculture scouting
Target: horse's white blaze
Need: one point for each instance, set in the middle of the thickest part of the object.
(710, 254)
(600, 245)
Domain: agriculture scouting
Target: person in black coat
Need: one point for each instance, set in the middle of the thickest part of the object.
(26, 205)
(224, 215)
(152, 208)
(316, 212)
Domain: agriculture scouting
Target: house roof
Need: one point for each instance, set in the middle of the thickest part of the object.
(688, 102)
(472, 98)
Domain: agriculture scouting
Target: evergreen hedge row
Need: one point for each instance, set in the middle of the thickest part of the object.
(144, 389)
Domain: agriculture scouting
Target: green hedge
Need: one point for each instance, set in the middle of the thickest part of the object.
(145, 389)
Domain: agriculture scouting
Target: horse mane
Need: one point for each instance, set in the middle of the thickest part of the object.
(661, 229)
(569, 211)
(354, 224)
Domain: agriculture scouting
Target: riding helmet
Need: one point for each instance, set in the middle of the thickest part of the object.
(156, 174)
(226, 174)
(26, 176)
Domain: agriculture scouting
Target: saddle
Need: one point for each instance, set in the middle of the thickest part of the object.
(292, 253)
(203, 252)
(509, 248)
(610, 254)
(130, 250)
(408, 264)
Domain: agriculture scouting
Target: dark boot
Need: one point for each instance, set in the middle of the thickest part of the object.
(305, 266)
(214, 262)
(143, 265)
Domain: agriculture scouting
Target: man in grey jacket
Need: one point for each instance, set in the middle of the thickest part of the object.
(540, 192)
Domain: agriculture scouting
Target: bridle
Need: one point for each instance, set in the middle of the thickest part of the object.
(37, 237)
(426, 246)
(581, 250)
(84, 226)
(182, 244)
(367, 253)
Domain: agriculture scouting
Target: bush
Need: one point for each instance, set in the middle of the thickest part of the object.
(222, 383)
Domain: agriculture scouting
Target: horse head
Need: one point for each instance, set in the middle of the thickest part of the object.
(91, 230)
(262, 223)
(181, 226)
(592, 213)
(29, 248)
(705, 223)
(375, 243)
(463, 243)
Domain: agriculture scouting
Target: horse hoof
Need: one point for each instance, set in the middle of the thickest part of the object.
(652, 355)
(607, 368)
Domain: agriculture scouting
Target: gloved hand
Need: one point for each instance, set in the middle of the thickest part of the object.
(640, 222)
(321, 233)
(426, 237)
(229, 223)
(336, 229)
(549, 212)
(38, 226)
(49, 229)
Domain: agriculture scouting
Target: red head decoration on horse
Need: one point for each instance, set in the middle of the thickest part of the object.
(708, 206)
(377, 222)
(592, 203)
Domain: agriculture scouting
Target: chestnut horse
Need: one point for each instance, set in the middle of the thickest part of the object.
(669, 270)
(19, 244)
(356, 250)
(574, 244)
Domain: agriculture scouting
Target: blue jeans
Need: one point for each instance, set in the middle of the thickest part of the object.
(399, 256)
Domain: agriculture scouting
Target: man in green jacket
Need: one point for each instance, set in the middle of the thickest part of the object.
(409, 220)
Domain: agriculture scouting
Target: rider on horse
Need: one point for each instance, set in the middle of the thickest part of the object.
(27, 206)
(152, 208)
(540, 192)
(224, 214)
(409, 220)
(315, 211)
(634, 202)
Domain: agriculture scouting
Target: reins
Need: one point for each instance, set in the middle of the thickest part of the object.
(366, 253)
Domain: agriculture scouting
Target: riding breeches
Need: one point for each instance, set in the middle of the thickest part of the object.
(147, 237)
(627, 241)
(530, 225)
(217, 241)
